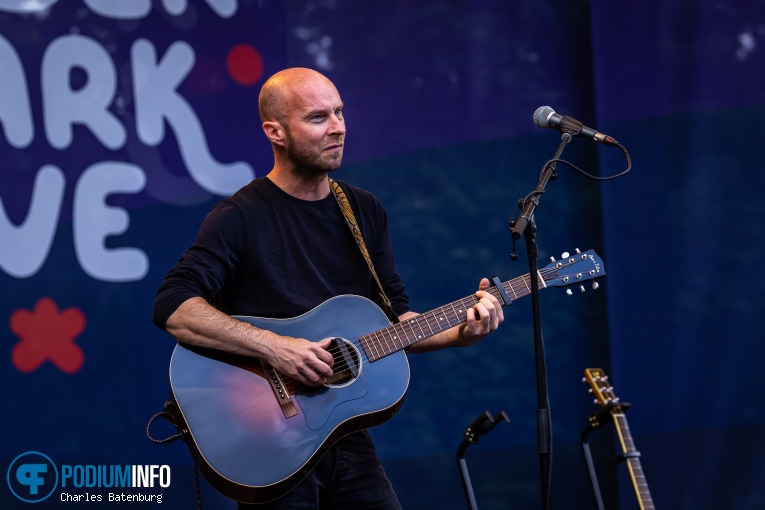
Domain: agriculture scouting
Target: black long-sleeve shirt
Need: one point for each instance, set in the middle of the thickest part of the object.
(265, 253)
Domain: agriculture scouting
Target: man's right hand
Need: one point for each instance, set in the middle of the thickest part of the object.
(302, 360)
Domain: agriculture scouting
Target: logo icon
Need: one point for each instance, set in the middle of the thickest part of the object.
(32, 477)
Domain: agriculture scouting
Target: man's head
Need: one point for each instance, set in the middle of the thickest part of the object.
(302, 116)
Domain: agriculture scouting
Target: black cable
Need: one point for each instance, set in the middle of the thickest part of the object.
(594, 177)
(166, 416)
(170, 418)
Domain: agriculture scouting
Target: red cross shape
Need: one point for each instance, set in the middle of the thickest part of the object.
(47, 334)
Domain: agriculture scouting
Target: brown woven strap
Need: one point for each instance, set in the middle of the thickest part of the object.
(350, 219)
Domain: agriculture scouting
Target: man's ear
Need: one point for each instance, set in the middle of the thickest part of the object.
(274, 132)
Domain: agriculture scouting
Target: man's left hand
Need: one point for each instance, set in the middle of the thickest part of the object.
(483, 318)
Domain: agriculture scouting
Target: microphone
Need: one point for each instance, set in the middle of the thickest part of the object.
(545, 117)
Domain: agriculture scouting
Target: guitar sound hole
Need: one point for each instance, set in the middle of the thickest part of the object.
(347, 362)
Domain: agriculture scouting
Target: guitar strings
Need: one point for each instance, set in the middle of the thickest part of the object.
(389, 339)
(391, 336)
(432, 321)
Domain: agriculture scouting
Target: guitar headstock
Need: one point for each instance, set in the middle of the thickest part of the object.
(600, 386)
(573, 270)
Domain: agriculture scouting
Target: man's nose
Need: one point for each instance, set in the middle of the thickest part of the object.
(336, 125)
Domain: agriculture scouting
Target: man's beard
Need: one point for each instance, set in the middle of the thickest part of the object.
(307, 164)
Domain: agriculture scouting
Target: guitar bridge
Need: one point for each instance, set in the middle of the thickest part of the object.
(280, 392)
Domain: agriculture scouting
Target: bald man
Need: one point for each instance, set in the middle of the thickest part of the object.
(278, 248)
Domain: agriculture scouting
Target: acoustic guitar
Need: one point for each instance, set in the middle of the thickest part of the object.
(255, 434)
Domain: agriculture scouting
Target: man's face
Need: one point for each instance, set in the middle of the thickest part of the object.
(315, 128)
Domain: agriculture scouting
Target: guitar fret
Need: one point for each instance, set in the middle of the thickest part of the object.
(440, 319)
(467, 302)
(366, 342)
(414, 320)
(383, 345)
(410, 338)
(403, 335)
(519, 288)
(386, 348)
(394, 337)
(412, 323)
(426, 316)
(394, 341)
(527, 284)
(512, 289)
(379, 351)
(376, 345)
(450, 315)
(458, 314)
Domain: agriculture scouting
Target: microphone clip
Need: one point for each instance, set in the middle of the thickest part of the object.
(570, 126)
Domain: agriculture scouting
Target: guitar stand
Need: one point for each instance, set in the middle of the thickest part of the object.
(598, 421)
(483, 424)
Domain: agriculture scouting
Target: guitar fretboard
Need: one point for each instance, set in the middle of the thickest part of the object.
(383, 342)
(633, 463)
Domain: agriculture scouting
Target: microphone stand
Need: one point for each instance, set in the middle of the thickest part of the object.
(525, 226)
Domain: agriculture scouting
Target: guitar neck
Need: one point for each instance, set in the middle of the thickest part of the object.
(633, 461)
(383, 342)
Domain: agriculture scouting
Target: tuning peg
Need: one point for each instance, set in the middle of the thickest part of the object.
(564, 255)
(569, 292)
(552, 259)
(595, 285)
(581, 288)
(576, 250)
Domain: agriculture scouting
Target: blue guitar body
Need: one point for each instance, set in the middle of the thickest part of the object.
(238, 434)
(255, 435)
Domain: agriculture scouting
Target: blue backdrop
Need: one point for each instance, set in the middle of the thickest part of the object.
(121, 124)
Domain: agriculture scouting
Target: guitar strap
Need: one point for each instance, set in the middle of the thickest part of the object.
(350, 219)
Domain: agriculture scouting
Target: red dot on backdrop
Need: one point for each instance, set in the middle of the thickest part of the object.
(244, 64)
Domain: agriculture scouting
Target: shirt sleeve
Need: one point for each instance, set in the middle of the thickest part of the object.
(207, 265)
